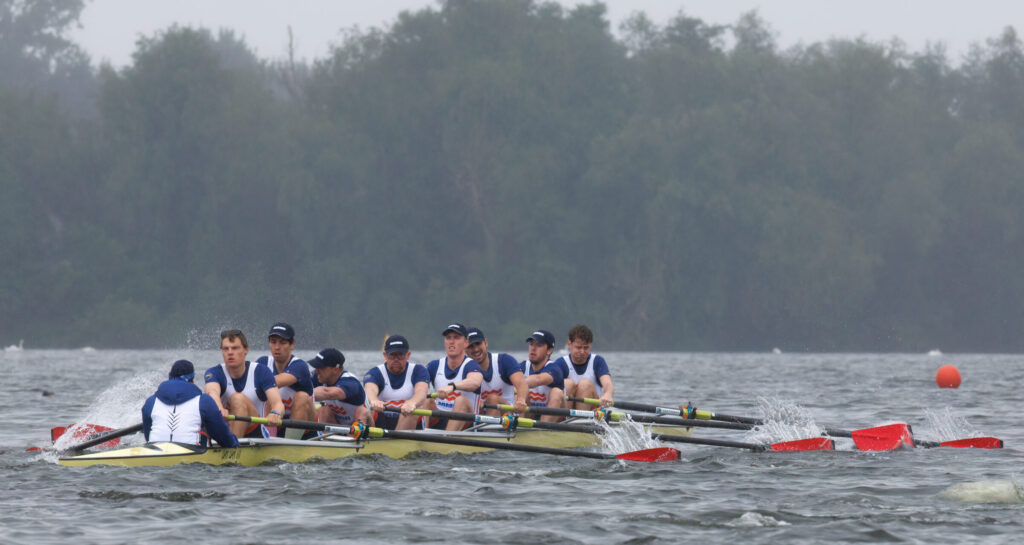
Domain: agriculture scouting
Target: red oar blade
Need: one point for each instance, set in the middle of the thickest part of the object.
(82, 432)
(814, 443)
(890, 437)
(974, 442)
(661, 454)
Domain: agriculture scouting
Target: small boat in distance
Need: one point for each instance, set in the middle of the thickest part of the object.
(16, 348)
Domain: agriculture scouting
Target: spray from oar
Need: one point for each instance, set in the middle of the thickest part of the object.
(948, 426)
(783, 421)
(626, 436)
(117, 407)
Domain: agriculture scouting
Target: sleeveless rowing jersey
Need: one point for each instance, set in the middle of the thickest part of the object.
(392, 397)
(344, 410)
(538, 396)
(501, 369)
(592, 370)
(443, 375)
(298, 369)
(177, 423)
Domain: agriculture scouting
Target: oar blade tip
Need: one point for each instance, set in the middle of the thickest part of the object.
(660, 454)
(974, 442)
(814, 443)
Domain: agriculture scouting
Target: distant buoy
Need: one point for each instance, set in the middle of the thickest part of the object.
(948, 376)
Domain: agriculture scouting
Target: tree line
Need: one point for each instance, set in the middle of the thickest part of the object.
(512, 164)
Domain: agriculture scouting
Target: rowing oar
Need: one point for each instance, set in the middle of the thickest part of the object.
(103, 438)
(511, 421)
(877, 438)
(616, 416)
(662, 454)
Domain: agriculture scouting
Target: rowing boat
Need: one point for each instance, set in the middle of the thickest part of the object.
(253, 452)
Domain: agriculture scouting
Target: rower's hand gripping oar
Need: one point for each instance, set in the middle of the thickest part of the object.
(359, 431)
(510, 421)
(886, 437)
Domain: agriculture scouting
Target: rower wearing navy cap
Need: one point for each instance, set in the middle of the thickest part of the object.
(544, 379)
(243, 388)
(341, 393)
(456, 378)
(588, 374)
(503, 380)
(179, 411)
(291, 374)
(396, 385)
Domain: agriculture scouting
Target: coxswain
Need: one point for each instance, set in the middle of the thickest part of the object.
(396, 385)
(243, 388)
(503, 379)
(588, 374)
(544, 379)
(456, 379)
(180, 412)
(291, 374)
(340, 392)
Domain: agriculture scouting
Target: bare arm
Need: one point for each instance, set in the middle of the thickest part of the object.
(607, 390)
(285, 379)
(331, 392)
(540, 379)
(519, 383)
(274, 399)
(213, 389)
(372, 390)
(417, 398)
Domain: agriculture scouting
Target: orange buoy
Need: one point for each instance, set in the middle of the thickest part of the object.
(948, 377)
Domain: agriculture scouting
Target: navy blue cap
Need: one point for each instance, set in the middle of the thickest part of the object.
(396, 344)
(474, 335)
(542, 336)
(328, 357)
(458, 328)
(283, 330)
(182, 369)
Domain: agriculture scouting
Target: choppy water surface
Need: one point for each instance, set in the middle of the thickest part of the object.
(716, 495)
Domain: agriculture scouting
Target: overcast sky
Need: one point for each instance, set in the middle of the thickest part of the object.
(111, 27)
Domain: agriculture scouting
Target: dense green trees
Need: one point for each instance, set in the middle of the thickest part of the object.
(513, 164)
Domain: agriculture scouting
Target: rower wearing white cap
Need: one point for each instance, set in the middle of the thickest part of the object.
(588, 374)
(342, 395)
(544, 378)
(179, 412)
(456, 378)
(396, 385)
(504, 382)
(243, 388)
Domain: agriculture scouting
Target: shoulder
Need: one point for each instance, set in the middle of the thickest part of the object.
(419, 373)
(263, 371)
(373, 375)
(298, 368)
(262, 360)
(431, 366)
(472, 366)
(214, 374)
(600, 365)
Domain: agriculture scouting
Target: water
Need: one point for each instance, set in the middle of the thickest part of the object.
(715, 495)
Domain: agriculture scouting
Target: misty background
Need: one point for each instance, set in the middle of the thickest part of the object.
(512, 164)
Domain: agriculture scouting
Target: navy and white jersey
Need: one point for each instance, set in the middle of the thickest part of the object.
(593, 369)
(394, 390)
(538, 396)
(296, 368)
(498, 377)
(344, 410)
(254, 383)
(178, 411)
(440, 375)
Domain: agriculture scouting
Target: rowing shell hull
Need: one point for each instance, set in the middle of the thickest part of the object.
(254, 452)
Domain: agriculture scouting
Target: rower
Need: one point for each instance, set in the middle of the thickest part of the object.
(341, 393)
(396, 385)
(179, 412)
(503, 379)
(588, 374)
(251, 390)
(456, 378)
(291, 374)
(544, 379)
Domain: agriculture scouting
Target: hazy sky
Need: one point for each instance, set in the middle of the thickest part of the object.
(111, 27)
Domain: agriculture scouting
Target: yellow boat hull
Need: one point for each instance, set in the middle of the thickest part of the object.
(253, 452)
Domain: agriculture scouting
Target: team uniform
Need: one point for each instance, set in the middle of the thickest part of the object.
(593, 369)
(394, 390)
(440, 375)
(498, 378)
(303, 383)
(179, 411)
(539, 396)
(344, 410)
(254, 384)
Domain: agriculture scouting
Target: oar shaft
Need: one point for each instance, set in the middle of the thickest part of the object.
(620, 416)
(683, 412)
(107, 437)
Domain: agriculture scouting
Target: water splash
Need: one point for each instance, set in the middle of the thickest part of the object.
(626, 436)
(1006, 492)
(118, 406)
(751, 519)
(783, 421)
(948, 426)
